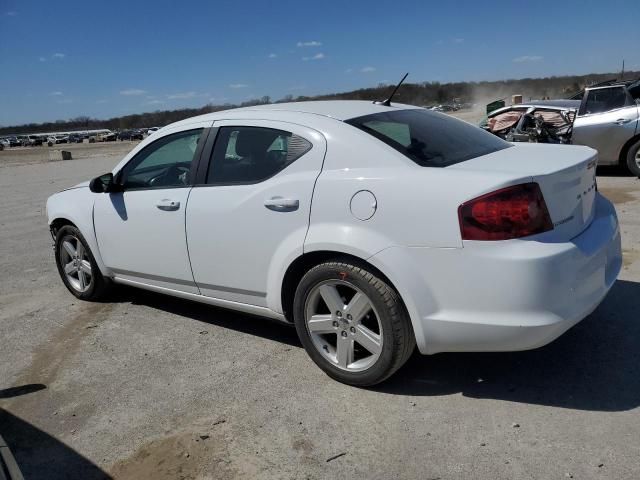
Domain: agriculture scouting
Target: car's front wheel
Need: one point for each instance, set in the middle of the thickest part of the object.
(633, 159)
(352, 323)
(77, 266)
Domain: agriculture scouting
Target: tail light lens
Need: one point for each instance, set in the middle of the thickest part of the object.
(511, 212)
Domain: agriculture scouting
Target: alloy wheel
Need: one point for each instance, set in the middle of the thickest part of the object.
(343, 325)
(75, 263)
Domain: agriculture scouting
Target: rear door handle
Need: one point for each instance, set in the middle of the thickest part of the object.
(168, 205)
(622, 121)
(280, 204)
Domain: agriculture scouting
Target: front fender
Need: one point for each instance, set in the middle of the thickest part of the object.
(76, 206)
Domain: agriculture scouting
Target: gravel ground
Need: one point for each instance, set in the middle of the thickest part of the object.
(154, 387)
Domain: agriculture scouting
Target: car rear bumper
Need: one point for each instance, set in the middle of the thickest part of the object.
(508, 295)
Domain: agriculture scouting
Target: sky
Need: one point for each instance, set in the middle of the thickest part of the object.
(104, 59)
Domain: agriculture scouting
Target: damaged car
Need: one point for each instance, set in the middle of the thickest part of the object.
(541, 122)
(604, 117)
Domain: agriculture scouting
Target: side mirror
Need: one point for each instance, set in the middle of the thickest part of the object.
(103, 184)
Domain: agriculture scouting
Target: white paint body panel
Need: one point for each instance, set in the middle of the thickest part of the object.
(509, 295)
(76, 206)
(460, 295)
(235, 241)
(137, 240)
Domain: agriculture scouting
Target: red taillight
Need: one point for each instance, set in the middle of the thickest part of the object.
(511, 212)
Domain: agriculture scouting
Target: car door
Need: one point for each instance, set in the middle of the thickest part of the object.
(141, 229)
(251, 211)
(608, 117)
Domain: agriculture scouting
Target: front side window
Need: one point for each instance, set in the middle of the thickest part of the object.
(164, 163)
(244, 155)
(605, 99)
(430, 139)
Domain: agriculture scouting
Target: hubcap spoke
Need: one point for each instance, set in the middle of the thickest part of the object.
(69, 248)
(331, 297)
(81, 280)
(85, 266)
(368, 339)
(321, 324)
(358, 307)
(69, 268)
(344, 351)
(79, 249)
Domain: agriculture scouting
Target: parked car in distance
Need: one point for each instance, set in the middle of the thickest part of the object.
(56, 139)
(4, 142)
(371, 228)
(75, 138)
(32, 141)
(106, 137)
(605, 117)
(152, 130)
(12, 142)
(130, 135)
(444, 108)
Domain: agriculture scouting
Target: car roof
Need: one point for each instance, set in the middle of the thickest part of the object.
(336, 109)
(604, 87)
(559, 105)
(556, 103)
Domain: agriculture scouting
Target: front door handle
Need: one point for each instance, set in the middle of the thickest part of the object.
(280, 204)
(622, 121)
(168, 205)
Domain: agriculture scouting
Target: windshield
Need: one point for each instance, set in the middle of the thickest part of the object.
(428, 138)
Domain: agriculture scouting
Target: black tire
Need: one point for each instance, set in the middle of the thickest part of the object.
(632, 162)
(99, 286)
(398, 338)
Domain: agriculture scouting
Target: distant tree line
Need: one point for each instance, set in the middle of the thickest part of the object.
(426, 93)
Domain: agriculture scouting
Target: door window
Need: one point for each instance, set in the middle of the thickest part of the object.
(605, 99)
(244, 155)
(165, 163)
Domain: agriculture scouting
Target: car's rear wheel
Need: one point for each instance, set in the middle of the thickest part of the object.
(633, 159)
(77, 266)
(352, 324)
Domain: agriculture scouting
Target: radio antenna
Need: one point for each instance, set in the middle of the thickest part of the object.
(387, 102)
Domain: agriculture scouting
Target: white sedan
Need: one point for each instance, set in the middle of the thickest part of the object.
(372, 228)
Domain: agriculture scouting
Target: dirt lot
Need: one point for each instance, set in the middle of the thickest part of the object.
(155, 387)
(45, 154)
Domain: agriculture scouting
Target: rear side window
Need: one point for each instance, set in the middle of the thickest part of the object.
(428, 138)
(244, 155)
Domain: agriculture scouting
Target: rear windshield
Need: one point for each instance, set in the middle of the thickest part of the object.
(428, 138)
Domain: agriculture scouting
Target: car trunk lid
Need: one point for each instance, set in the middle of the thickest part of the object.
(566, 175)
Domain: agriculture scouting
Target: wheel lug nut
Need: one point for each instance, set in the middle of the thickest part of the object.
(344, 333)
(353, 329)
(338, 313)
(335, 324)
(349, 317)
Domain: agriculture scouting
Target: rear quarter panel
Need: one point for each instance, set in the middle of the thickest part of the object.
(415, 206)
